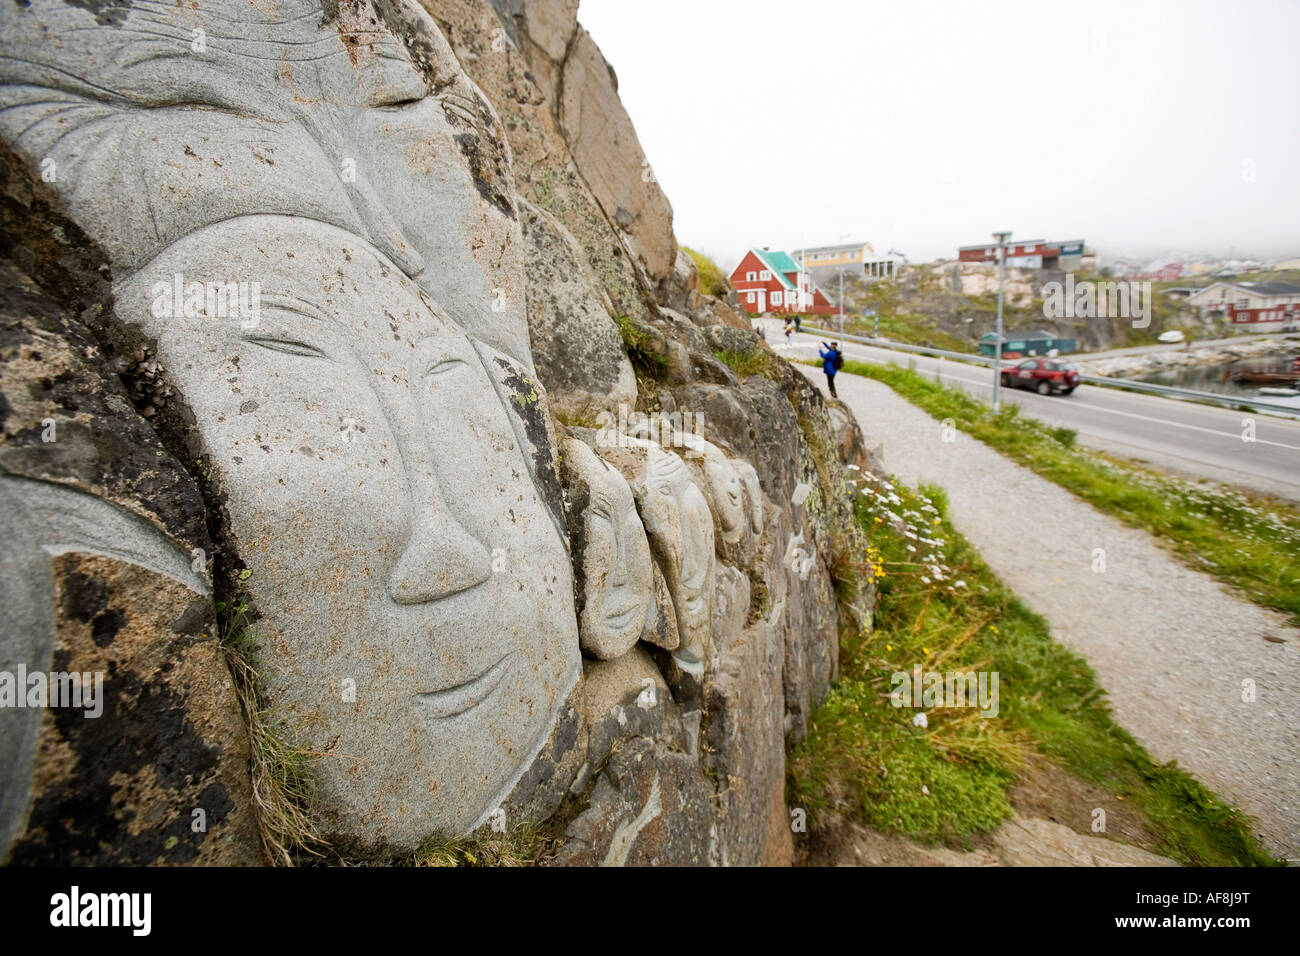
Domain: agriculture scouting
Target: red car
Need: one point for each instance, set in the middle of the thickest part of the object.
(1043, 375)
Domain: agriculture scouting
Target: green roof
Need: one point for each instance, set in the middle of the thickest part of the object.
(780, 263)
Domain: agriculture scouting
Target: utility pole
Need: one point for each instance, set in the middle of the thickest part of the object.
(842, 238)
(1002, 238)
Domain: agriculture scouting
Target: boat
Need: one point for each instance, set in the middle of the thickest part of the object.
(1265, 378)
(1285, 392)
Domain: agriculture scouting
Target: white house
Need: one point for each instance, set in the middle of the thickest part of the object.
(1261, 306)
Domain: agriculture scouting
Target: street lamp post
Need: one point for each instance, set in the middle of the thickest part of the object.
(843, 236)
(1002, 238)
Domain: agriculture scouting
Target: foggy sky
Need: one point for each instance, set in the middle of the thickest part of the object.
(1141, 127)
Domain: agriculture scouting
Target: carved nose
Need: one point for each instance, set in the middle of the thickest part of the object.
(384, 230)
(441, 559)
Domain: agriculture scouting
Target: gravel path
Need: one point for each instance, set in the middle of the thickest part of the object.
(1171, 645)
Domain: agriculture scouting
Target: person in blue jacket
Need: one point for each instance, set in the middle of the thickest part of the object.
(830, 356)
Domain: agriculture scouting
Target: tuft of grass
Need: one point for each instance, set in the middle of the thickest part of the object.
(940, 607)
(1064, 436)
(583, 420)
(713, 281)
(1247, 541)
(282, 773)
(641, 347)
(524, 844)
(633, 336)
(758, 361)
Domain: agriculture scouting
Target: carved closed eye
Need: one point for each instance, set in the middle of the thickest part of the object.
(444, 367)
(288, 346)
(401, 104)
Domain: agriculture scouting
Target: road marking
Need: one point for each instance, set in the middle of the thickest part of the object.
(1210, 431)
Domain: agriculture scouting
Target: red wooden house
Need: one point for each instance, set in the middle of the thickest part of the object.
(773, 282)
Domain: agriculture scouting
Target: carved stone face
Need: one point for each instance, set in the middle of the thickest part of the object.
(753, 494)
(617, 575)
(417, 598)
(726, 493)
(680, 525)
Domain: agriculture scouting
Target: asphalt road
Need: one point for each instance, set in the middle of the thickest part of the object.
(1200, 441)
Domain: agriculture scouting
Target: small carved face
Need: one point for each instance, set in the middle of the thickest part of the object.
(727, 495)
(679, 522)
(753, 493)
(378, 494)
(618, 578)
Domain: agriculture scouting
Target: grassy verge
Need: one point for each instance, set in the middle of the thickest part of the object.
(910, 329)
(946, 777)
(1248, 542)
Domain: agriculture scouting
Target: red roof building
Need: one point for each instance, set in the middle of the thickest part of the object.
(1028, 253)
(773, 282)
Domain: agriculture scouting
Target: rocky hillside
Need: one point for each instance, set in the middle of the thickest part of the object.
(373, 459)
(931, 305)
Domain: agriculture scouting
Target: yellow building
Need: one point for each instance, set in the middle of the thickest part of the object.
(854, 256)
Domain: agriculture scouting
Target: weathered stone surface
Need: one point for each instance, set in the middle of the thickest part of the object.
(650, 806)
(577, 349)
(681, 291)
(731, 339)
(624, 698)
(604, 145)
(160, 774)
(756, 421)
(523, 80)
(662, 631)
(744, 737)
(615, 701)
(850, 446)
(754, 507)
(99, 575)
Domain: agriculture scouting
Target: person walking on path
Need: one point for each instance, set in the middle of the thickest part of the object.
(789, 332)
(832, 362)
(798, 322)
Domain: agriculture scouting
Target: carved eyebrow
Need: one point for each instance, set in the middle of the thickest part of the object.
(287, 302)
(287, 345)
